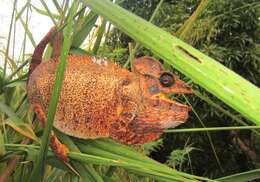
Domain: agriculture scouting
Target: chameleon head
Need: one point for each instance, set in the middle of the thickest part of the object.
(159, 112)
(156, 112)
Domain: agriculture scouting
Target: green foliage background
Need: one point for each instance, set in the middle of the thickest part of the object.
(229, 32)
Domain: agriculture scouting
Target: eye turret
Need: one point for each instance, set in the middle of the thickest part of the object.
(167, 79)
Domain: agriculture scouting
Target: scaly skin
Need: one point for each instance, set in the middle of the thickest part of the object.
(92, 96)
(100, 99)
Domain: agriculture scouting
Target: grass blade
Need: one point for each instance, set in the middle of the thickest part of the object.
(188, 24)
(87, 172)
(101, 31)
(242, 177)
(137, 45)
(2, 147)
(85, 29)
(49, 12)
(28, 32)
(9, 38)
(19, 14)
(42, 12)
(17, 70)
(228, 128)
(15, 122)
(55, 2)
(157, 171)
(40, 163)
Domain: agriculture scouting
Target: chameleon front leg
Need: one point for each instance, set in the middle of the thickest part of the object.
(58, 148)
(131, 128)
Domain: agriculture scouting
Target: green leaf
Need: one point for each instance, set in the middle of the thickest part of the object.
(2, 147)
(49, 12)
(38, 171)
(81, 34)
(100, 33)
(228, 86)
(111, 156)
(27, 31)
(24, 129)
(19, 14)
(79, 51)
(242, 177)
(9, 38)
(188, 24)
(16, 123)
(55, 2)
(120, 155)
(87, 171)
(42, 12)
(54, 175)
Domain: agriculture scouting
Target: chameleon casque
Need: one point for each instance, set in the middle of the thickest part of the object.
(100, 99)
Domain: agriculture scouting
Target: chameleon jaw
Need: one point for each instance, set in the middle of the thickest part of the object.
(162, 97)
(172, 112)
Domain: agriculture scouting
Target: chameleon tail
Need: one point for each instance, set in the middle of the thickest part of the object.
(38, 52)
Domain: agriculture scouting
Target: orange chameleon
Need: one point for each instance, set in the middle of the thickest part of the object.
(100, 99)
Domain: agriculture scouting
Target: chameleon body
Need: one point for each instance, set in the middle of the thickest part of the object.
(100, 99)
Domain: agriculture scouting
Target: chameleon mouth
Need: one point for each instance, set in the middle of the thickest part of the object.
(164, 101)
(171, 113)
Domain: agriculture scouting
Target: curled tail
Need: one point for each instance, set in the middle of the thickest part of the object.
(38, 52)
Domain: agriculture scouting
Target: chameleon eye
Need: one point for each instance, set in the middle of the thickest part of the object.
(167, 79)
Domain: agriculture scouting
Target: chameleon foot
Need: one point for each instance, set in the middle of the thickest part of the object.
(59, 149)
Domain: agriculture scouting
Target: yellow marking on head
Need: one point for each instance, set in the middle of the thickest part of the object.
(163, 97)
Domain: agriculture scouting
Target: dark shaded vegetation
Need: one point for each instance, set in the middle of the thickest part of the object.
(229, 32)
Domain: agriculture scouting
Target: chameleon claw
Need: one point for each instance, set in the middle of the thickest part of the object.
(60, 150)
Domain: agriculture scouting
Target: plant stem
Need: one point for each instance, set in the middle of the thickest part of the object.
(211, 129)
(9, 38)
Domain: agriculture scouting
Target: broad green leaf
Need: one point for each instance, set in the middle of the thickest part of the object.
(228, 86)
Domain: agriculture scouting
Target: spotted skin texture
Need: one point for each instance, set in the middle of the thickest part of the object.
(90, 95)
(100, 99)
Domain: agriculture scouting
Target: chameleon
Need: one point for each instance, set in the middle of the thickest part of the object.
(99, 98)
